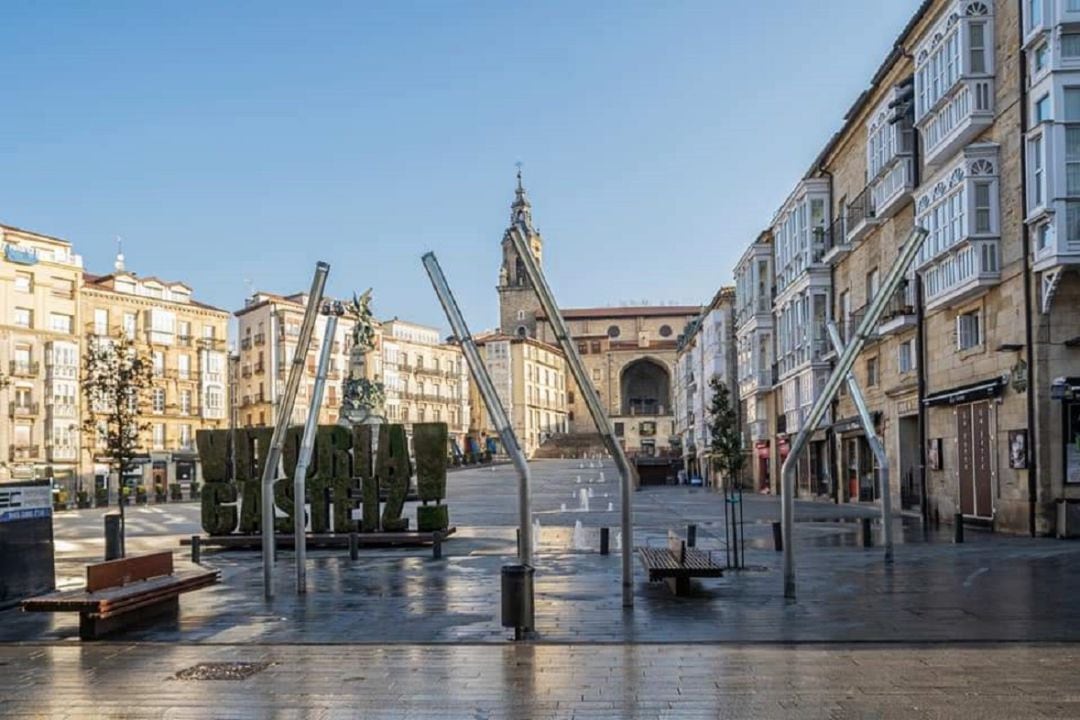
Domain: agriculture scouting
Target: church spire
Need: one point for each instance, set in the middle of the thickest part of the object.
(521, 210)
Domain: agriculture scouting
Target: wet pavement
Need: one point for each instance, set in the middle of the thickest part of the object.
(990, 682)
(992, 588)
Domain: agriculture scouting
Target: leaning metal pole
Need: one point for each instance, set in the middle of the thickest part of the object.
(817, 411)
(491, 399)
(518, 236)
(304, 458)
(873, 440)
(284, 410)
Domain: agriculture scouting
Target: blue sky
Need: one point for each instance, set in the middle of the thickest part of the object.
(243, 141)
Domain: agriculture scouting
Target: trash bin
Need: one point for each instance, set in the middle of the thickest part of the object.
(113, 541)
(517, 598)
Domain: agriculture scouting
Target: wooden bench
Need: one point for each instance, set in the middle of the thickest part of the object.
(126, 591)
(676, 564)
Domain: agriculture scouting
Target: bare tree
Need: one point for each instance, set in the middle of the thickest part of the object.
(116, 380)
(725, 443)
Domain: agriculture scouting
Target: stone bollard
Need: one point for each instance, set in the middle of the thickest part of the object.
(958, 528)
(867, 533)
(354, 546)
(196, 549)
(605, 541)
(778, 537)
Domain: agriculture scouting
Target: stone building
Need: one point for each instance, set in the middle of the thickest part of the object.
(530, 379)
(426, 380)
(39, 358)
(268, 328)
(186, 341)
(628, 352)
(755, 351)
(705, 350)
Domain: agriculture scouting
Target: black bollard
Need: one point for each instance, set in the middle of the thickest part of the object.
(958, 528)
(196, 549)
(691, 536)
(867, 533)
(354, 546)
(518, 541)
(778, 537)
(436, 545)
(113, 543)
(605, 541)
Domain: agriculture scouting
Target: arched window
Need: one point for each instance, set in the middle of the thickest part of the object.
(522, 331)
(521, 315)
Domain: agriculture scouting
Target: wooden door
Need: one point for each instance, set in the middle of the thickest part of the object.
(982, 459)
(964, 468)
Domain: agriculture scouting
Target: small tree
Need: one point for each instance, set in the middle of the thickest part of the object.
(116, 379)
(725, 443)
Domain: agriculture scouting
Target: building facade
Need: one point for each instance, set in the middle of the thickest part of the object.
(426, 380)
(186, 342)
(755, 343)
(39, 358)
(706, 350)
(530, 379)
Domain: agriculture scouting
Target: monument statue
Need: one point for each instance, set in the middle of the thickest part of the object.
(362, 398)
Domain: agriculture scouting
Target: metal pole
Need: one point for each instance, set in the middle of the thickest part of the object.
(592, 401)
(281, 425)
(875, 443)
(491, 399)
(817, 411)
(304, 459)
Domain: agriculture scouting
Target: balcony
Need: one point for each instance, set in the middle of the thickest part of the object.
(63, 407)
(245, 343)
(24, 368)
(893, 188)
(834, 242)
(961, 273)
(23, 409)
(860, 216)
(957, 119)
(184, 340)
(260, 368)
(63, 453)
(899, 314)
(24, 452)
(260, 339)
(245, 371)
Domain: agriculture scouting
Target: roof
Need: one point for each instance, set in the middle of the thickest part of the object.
(101, 282)
(497, 336)
(43, 236)
(628, 312)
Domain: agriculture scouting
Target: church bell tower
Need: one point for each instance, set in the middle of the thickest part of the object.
(518, 304)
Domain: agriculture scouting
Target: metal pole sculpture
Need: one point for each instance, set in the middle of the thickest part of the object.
(306, 445)
(592, 401)
(285, 407)
(491, 399)
(817, 411)
(873, 440)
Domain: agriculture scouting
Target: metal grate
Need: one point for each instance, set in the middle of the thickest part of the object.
(222, 671)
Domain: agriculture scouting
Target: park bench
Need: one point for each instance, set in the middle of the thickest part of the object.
(677, 563)
(125, 591)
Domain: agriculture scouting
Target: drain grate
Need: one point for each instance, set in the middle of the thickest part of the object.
(222, 671)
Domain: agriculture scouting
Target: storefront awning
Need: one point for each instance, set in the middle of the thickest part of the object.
(984, 390)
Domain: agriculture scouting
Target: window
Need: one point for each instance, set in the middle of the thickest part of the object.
(24, 282)
(185, 437)
(939, 72)
(183, 329)
(968, 334)
(871, 285)
(1034, 14)
(185, 402)
(183, 366)
(101, 322)
(1072, 141)
(58, 322)
(1072, 6)
(977, 49)
(1042, 57)
(620, 429)
(63, 288)
(596, 374)
(1035, 150)
(1042, 109)
(520, 314)
(209, 332)
(613, 331)
(24, 317)
(159, 436)
(583, 348)
(1070, 45)
(215, 399)
(1072, 222)
(665, 331)
(159, 363)
(570, 397)
(594, 347)
(872, 371)
(982, 208)
(129, 325)
(1042, 237)
(159, 400)
(906, 356)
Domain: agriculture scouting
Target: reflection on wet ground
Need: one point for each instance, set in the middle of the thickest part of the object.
(990, 588)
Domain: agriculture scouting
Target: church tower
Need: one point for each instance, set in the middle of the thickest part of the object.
(518, 305)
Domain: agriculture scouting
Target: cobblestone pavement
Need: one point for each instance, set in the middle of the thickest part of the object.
(988, 682)
(992, 588)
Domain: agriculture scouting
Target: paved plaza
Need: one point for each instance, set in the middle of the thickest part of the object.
(972, 627)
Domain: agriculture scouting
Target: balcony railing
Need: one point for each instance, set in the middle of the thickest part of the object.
(260, 368)
(260, 339)
(964, 272)
(23, 409)
(245, 371)
(19, 368)
(245, 343)
(860, 215)
(899, 313)
(184, 340)
(832, 241)
(24, 452)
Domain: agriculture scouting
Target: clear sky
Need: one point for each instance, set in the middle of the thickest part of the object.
(240, 142)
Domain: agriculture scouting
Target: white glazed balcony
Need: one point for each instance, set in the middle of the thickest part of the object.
(759, 430)
(957, 119)
(893, 187)
(962, 272)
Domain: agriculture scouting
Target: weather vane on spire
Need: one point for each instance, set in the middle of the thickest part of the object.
(518, 165)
